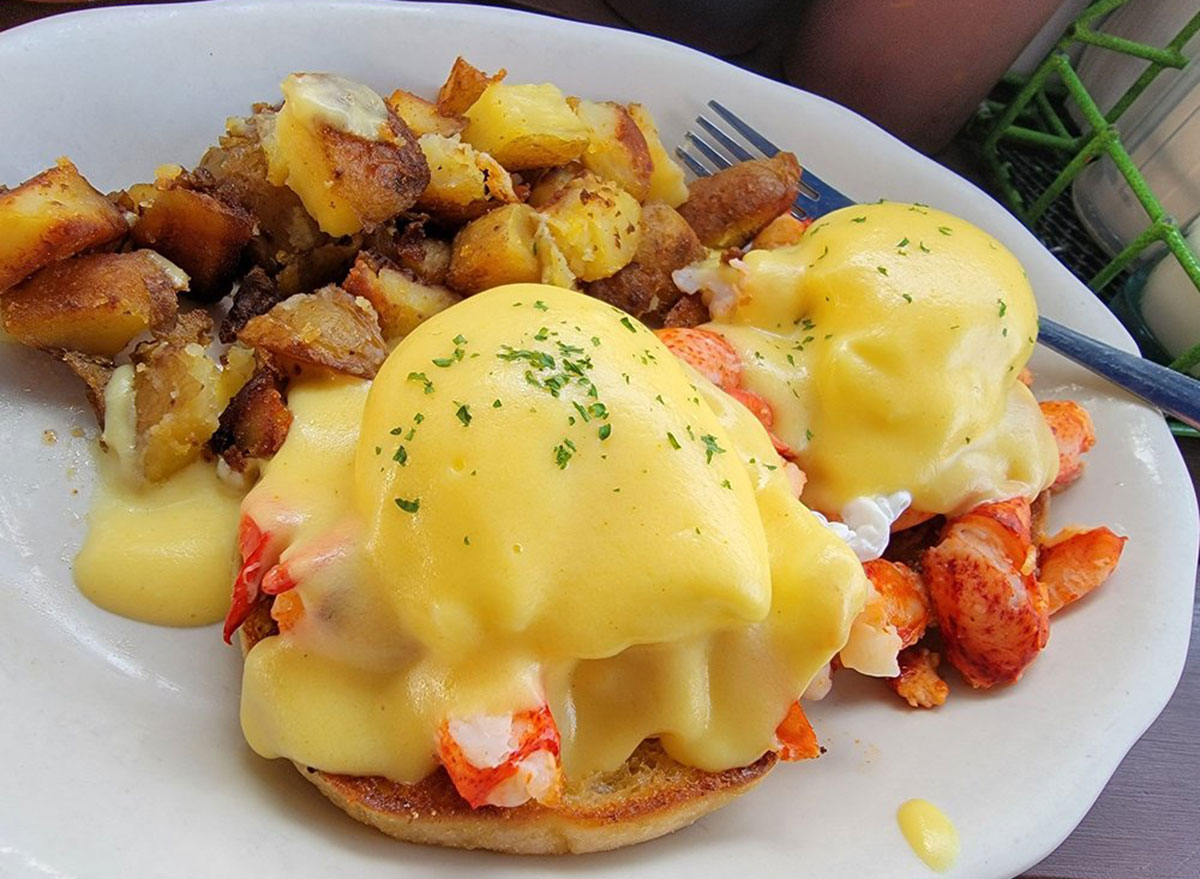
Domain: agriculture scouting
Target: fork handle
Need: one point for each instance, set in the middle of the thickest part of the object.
(1172, 392)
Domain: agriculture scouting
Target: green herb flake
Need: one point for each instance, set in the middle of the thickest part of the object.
(463, 414)
(407, 505)
(881, 269)
(605, 431)
(858, 220)
(418, 418)
(466, 541)
(423, 379)
(711, 447)
(903, 242)
(596, 341)
(443, 362)
(379, 450)
(460, 339)
(583, 413)
(401, 456)
(808, 435)
(541, 306)
(726, 484)
(542, 334)
(945, 230)
(562, 454)
(628, 324)
(496, 404)
(1003, 307)
(674, 442)
(907, 297)
(396, 431)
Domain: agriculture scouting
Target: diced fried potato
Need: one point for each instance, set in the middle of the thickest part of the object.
(463, 182)
(201, 234)
(596, 225)
(498, 248)
(616, 149)
(175, 385)
(255, 423)
(688, 311)
(328, 328)
(95, 372)
(666, 177)
(550, 182)
(463, 87)
(644, 287)
(422, 117)
(351, 160)
(94, 304)
(783, 231)
(732, 206)
(401, 302)
(525, 126)
(238, 364)
(555, 268)
(427, 258)
(256, 294)
(52, 216)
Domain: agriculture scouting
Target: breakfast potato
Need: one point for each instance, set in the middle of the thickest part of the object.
(555, 268)
(784, 231)
(328, 328)
(401, 302)
(596, 225)
(94, 304)
(463, 87)
(95, 372)
(616, 149)
(427, 258)
(463, 182)
(423, 117)
(688, 311)
(732, 206)
(177, 403)
(551, 182)
(52, 216)
(257, 293)
(644, 288)
(198, 232)
(666, 176)
(525, 126)
(498, 248)
(255, 423)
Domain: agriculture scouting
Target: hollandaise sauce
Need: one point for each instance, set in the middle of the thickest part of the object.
(932, 836)
(162, 553)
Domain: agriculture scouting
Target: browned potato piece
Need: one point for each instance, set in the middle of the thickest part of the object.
(596, 225)
(616, 149)
(732, 206)
(255, 423)
(328, 328)
(95, 372)
(427, 258)
(94, 304)
(176, 403)
(463, 182)
(688, 311)
(552, 181)
(556, 271)
(423, 117)
(496, 249)
(463, 87)
(666, 176)
(52, 216)
(401, 302)
(256, 294)
(201, 234)
(525, 126)
(644, 287)
(783, 231)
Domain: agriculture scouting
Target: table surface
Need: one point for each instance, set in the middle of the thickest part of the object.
(1145, 822)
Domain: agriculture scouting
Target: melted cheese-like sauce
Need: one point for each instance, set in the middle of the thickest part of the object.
(888, 342)
(930, 834)
(162, 553)
(661, 579)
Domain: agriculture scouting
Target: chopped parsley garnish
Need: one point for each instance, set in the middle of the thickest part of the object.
(1003, 307)
(674, 442)
(858, 220)
(396, 431)
(541, 306)
(726, 484)
(628, 324)
(422, 378)
(903, 242)
(881, 269)
(563, 453)
(605, 431)
(460, 339)
(418, 418)
(443, 361)
(538, 359)
(808, 435)
(463, 414)
(496, 404)
(907, 297)
(596, 341)
(583, 413)
(542, 334)
(407, 505)
(945, 230)
(401, 456)
(711, 447)
(1004, 332)
(466, 541)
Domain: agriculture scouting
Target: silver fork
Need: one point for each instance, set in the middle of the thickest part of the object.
(1172, 392)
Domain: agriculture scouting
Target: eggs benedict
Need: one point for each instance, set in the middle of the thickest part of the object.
(542, 554)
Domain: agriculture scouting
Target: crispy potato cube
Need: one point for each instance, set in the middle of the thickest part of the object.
(555, 268)
(616, 149)
(257, 293)
(351, 160)
(644, 288)
(732, 206)
(328, 328)
(52, 216)
(201, 234)
(666, 176)
(525, 126)
(238, 364)
(463, 182)
(552, 181)
(498, 248)
(401, 302)
(176, 405)
(784, 231)
(255, 423)
(597, 226)
(94, 304)
(95, 372)
(463, 87)
(688, 311)
(427, 258)
(422, 117)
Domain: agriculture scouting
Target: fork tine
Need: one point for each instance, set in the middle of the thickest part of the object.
(692, 162)
(708, 151)
(735, 149)
(765, 146)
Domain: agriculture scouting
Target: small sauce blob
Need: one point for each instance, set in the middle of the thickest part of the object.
(930, 833)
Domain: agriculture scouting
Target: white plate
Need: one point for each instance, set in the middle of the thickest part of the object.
(121, 749)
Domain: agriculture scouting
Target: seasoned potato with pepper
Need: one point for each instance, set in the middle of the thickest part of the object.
(463, 182)
(551, 182)
(463, 87)
(596, 225)
(52, 216)
(732, 206)
(616, 149)
(498, 248)
(525, 126)
(351, 160)
(666, 176)
(422, 117)
(94, 304)
(198, 232)
(328, 328)
(401, 302)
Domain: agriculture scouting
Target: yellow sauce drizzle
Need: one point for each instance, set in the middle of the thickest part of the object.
(930, 833)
